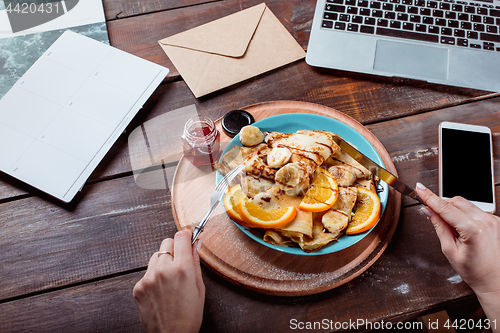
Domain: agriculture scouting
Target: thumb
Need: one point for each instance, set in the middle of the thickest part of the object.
(197, 267)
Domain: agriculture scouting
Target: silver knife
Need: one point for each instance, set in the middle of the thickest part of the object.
(377, 170)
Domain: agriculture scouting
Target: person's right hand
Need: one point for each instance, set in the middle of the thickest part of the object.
(470, 240)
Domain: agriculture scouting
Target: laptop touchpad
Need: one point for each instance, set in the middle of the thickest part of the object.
(411, 60)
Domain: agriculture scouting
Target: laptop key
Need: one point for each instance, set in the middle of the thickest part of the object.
(470, 9)
(420, 3)
(351, 2)
(492, 29)
(402, 17)
(330, 16)
(466, 25)
(390, 15)
(327, 24)
(482, 11)
(463, 17)
(472, 35)
(357, 19)
(377, 13)
(415, 18)
(352, 27)
(447, 40)
(363, 3)
(340, 25)
(425, 12)
(340, 2)
(475, 46)
(475, 18)
(365, 12)
(437, 13)
(367, 29)
(412, 10)
(428, 20)
(456, 8)
(421, 28)
(401, 8)
(375, 5)
(440, 22)
(446, 31)
(352, 10)
(407, 26)
(495, 12)
(450, 15)
(444, 6)
(434, 30)
(462, 42)
(388, 6)
(382, 23)
(488, 46)
(407, 34)
(395, 24)
(458, 33)
(432, 4)
(490, 37)
(344, 17)
(453, 24)
(488, 20)
(370, 20)
(478, 27)
(335, 8)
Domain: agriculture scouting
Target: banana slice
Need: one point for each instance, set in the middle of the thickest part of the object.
(342, 175)
(289, 176)
(251, 136)
(278, 157)
(335, 221)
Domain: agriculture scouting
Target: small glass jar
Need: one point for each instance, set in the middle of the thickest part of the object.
(201, 141)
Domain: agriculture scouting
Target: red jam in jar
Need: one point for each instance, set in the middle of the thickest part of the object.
(201, 141)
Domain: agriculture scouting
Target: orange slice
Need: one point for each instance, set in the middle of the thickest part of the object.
(231, 201)
(322, 194)
(256, 217)
(367, 212)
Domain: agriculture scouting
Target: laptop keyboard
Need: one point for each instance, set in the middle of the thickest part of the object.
(450, 22)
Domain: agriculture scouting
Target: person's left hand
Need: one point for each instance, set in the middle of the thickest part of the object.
(171, 295)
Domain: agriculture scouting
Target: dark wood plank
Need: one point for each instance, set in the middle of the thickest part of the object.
(411, 278)
(120, 9)
(111, 227)
(100, 306)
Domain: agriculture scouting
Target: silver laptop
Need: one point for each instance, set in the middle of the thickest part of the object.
(447, 42)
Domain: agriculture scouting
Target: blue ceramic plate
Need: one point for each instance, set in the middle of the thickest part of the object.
(290, 123)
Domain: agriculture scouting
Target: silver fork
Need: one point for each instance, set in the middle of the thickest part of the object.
(217, 194)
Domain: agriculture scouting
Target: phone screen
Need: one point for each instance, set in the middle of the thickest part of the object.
(466, 165)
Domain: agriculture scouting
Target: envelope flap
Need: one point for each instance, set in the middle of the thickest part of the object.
(229, 36)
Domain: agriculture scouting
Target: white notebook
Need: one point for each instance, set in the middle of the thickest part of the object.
(61, 118)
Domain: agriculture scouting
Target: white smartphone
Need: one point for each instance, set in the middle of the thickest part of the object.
(466, 164)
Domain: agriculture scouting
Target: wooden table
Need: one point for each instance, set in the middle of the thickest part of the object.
(72, 267)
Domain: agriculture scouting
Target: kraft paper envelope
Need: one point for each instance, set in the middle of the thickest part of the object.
(231, 49)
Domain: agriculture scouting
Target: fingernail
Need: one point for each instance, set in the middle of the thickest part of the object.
(426, 212)
(421, 186)
(198, 245)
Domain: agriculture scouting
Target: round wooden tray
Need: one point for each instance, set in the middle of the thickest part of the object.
(241, 260)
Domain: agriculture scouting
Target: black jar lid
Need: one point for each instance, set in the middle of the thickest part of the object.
(234, 120)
